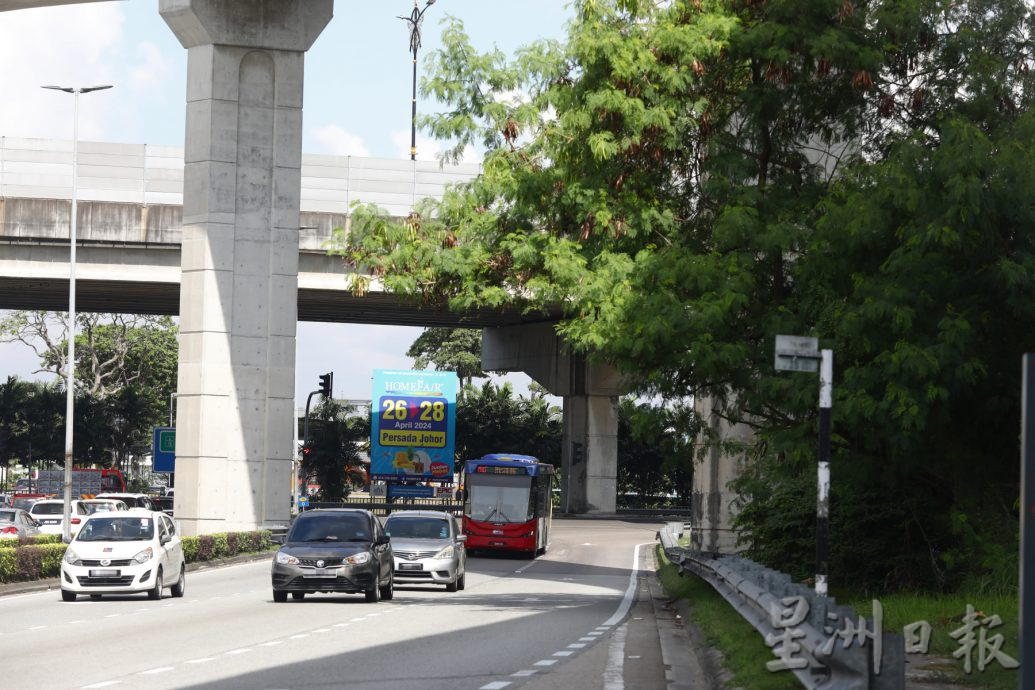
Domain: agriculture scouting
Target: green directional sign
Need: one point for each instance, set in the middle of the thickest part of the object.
(163, 452)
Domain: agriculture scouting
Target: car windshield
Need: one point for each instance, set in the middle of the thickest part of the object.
(48, 509)
(117, 528)
(330, 527)
(417, 528)
(496, 498)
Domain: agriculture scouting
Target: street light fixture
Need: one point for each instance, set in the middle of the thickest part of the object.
(66, 529)
(415, 20)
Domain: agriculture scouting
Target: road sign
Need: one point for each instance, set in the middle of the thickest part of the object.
(797, 353)
(405, 491)
(303, 501)
(163, 451)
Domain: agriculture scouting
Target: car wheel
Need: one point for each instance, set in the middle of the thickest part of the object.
(374, 594)
(388, 591)
(461, 581)
(279, 597)
(452, 586)
(180, 587)
(68, 596)
(298, 595)
(156, 591)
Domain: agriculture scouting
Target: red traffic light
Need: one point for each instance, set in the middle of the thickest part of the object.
(306, 450)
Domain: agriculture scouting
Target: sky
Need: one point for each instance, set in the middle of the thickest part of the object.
(358, 79)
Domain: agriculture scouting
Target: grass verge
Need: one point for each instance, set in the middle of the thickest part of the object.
(744, 649)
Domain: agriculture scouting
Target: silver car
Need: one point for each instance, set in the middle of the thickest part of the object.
(15, 522)
(428, 548)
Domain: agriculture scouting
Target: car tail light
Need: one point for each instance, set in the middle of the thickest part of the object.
(9, 530)
(76, 521)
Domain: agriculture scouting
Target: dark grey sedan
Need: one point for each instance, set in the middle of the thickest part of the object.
(334, 550)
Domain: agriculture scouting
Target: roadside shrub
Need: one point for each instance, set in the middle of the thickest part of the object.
(232, 543)
(30, 541)
(190, 549)
(8, 563)
(219, 549)
(32, 562)
(205, 547)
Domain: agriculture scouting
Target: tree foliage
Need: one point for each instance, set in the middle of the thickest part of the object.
(688, 179)
(449, 349)
(491, 420)
(337, 437)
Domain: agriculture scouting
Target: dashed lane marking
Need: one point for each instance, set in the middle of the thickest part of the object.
(525, 674)
(545, 662)
(497, 685)
(155, 671)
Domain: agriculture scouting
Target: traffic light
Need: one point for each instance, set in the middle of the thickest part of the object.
(326, 382)
(306, 452)
(576, 453)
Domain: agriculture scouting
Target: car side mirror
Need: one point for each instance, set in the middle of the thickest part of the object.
(382, 540)
(461, 538)
(165, 539)
(278, 538)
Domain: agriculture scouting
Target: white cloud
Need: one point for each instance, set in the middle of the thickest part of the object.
(336, 141)
(427, 149)
(67, 46)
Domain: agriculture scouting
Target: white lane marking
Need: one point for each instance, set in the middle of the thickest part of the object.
(244, 650)
(74, 622)
(202, 660)
(298, 637)
(587, 639)
(113, 615)
(322, 630)
(104, 684)
(615, 661)
(143, 609)
(576, 645)
(341, 625)
(526, 567)
(37, 627)
(160, 669)
(564, 653)
(634, 656)
(630, 591)
(497, 685)
(595, 634)
(525, 674)
(271, 643)
(545, 662)
(587, 544)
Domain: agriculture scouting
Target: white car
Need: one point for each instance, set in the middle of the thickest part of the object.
(103, 505)
(123, 552)
(50, 514)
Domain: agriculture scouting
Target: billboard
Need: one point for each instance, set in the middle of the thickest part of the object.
(412, 425)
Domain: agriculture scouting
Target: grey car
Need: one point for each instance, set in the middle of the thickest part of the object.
(15, 522)
(334, 550)
(428, 548)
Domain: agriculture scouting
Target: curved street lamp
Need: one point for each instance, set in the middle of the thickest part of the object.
(66, 529)
(415, 20)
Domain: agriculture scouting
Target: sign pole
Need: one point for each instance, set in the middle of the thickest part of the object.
(826, 376)
(1026, 621)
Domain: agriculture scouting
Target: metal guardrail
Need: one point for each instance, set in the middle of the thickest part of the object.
(798, 624)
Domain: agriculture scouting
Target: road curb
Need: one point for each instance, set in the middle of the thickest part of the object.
(54, 583)
(679, 651)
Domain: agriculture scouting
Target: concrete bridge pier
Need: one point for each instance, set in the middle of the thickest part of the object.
(239, 281)
(589, 473)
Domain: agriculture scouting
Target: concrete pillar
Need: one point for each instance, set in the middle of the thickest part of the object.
(238, 294)
(589, 456)
(713, 503)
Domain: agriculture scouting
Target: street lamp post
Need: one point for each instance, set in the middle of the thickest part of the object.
(415, 20)
(66, 529)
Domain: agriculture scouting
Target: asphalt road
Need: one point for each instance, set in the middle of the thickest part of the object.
(575, 618)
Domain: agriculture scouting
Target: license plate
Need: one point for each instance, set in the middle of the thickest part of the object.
(104, 573)
(411, 566)
(50, 522)
(318, 577)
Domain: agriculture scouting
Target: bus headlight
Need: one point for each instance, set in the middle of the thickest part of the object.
(447, 552)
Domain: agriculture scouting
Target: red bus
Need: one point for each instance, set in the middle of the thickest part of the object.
(86, 482)
(507, 503)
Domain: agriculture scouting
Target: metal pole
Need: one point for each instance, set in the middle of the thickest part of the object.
(172, 396)
(1026, 621)
(826, 377)
(413, 110)
(66, 528)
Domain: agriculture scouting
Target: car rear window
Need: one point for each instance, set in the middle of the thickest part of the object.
(330, 527)
(417, 528)
(48, 509)
(7, 515)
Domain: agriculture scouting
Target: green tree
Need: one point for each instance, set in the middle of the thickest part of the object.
(337, 436)
(688, 179)
(491, 419)
(655, 449)
(449, 349)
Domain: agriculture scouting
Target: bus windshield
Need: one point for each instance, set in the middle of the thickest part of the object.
(499, 498)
